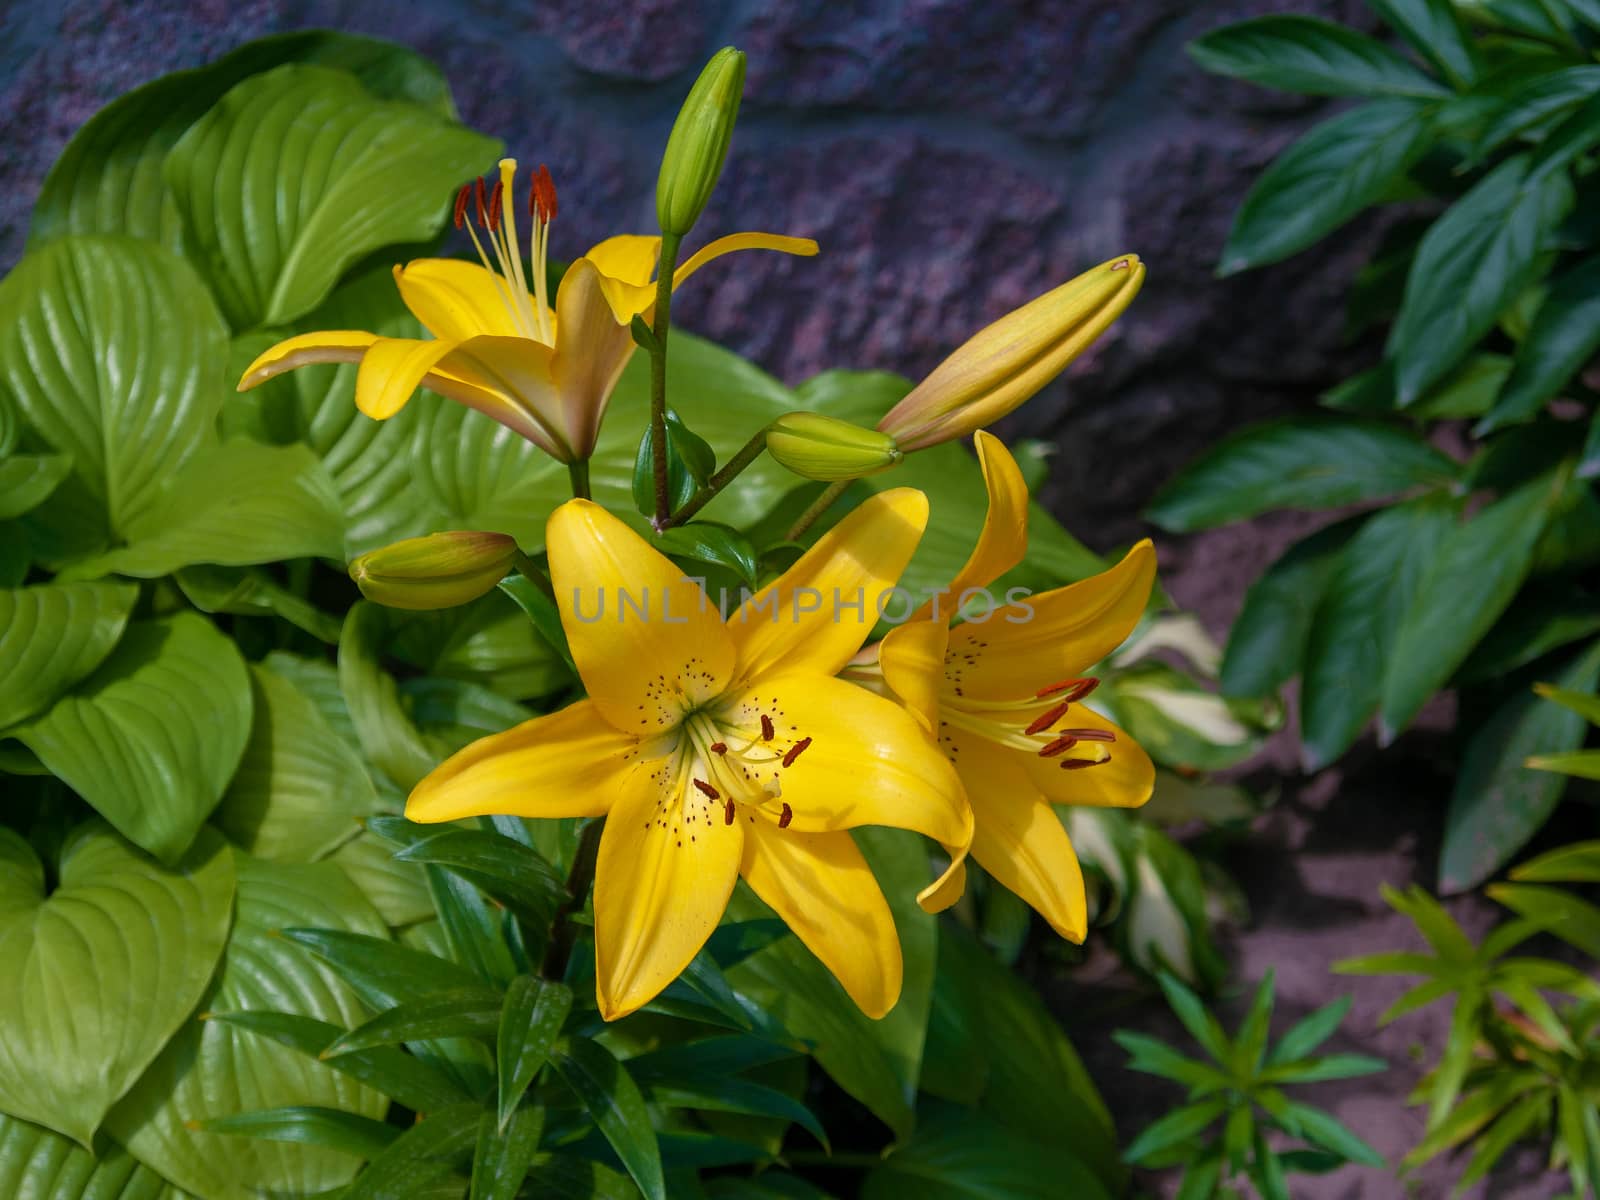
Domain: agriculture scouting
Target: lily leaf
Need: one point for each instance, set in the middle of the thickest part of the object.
(1317, 58)
(604, 1087)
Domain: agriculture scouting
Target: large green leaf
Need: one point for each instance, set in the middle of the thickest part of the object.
(1298, 463)
(1534, 100)
(1302, 54)
(398, 890)
(26, 481)
(1564, 336)
(213, 1069)
(386, 734)
(108, 179)
(102, 970)
(1472, 263)
(1474, 576)
(232, 505)
(490, 641)
(153, 736)
(297, 173)
(1435, 31)
(53, 635)
(114, 354)
(36, 1164)
(300, 788)
(1355, 632)
(1498, 803)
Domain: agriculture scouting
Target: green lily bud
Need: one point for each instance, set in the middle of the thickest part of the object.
(819, 447)
(699, 142)
(441, 570)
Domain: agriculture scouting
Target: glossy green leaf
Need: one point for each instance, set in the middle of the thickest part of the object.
(505, 1152)
(466, 1012)
(474, 929)
(1324, 179)
(513, 873)
(108, 965)
(1472, 578)
(1435, 31)
(604, 1087)
(690, 461)
(233, 505)
(488, 641)
(1302, 54)
(52, 636)
(398, 890)
(1565, 335)
(113, 352)
(214, 1069)
(1534, 101)
(1543, 619)
(530, 1022)
(1498, 804)
(297, 173)
(542, 610)
(715, 545)
(420, 1155)
(153, 736)
(1355, 633)
(26, 481)
(300, 789)
(1472, 263)
(250, 592)
(1298, 463)
(334, 1128)
(382, 972)
(36, 1164)
(387, 736)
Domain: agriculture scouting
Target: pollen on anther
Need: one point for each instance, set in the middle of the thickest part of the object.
(719, 747)
(462, 197)
(786, 816)
(1060, 746)
(707, 790)
(727, 813)
(1046, 719)
(494, 206)
(767, 730)
(795, 751)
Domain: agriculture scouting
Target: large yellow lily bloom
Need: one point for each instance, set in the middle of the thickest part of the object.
(719, 749)
(544, 370)
(1003, 697)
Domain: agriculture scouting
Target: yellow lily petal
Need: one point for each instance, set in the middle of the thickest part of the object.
(456, 300)
(391, 371)
(868, 762)
(1004, 538)
(329, 346)
(627, 266)
(805, 247)
(660, 887)
(646, 640)
(823, 889)
(566, 764)
(947, 889)
(1124, 781)
(1069, 630)
(1019, 839)
(817, 613)
(518, 373)
(591, 350)
(912, 660)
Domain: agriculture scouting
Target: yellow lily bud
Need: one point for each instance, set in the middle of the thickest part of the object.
(699, 142)
(819, 447)
(1004, 364)
(441, 570)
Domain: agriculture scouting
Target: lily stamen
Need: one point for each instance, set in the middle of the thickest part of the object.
(1076, 689)
(795, 751)
(707, 790)
(1046, 719)
(767, 731)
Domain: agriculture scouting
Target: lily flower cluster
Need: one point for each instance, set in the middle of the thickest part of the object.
(747, 746)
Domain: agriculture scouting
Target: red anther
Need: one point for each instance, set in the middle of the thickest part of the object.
(786, 817)
(1078, 764)
(494, 207)
(767, 730)
(719, 747)
(727, 814)
(1076, 689)
(483, 202)
(1090, 735)
(707, 789)
(1060, 746)
(462, 197)
(795, 751)
(549, 191)
(1046, 719)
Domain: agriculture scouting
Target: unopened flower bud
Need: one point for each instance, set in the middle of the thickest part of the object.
(441, 570)
(819, 447)
(1004, 364)
(699, 142)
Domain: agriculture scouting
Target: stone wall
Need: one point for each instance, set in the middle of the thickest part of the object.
(953, 157)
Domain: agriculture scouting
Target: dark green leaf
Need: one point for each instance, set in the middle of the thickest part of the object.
(468, 1012)
(717, 545)
(1542, 620)
(308, 1125)
(1180, 1125)
(1309, 1032)
(1302, 54)
(505, 869)
(605, 1088)
(543, 612)
(1202, 1026)
(709, 1093)
(252, 592)
(690, 462)
(505, 1152)
(1564, 336)
(1201, 1176)
(427, 1150)
(1318, 1127)
(1334, 1066)
(530, 1022)
(1568, 141)
(1435, 31)
(1250, 1045)
(1157, 1058)
(1268, 1171)
(472, 927)
(385, 974)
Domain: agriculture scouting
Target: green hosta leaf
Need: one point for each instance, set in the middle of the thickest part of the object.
(254, 593)
(386, 733)
(311, 1126)
(104, 968)
(296, 173)
(1471, 264)
(36, 1164)
(1435, 31)
(1299, 463)
(1356, 631)
(233, 505)
(1301, 54)
(215, 1069)
(530, 1022)
(1564, 336)
(26, 480)
(1498, 804)
(53, 635)
(1473, 577)
(108, 180)
(153, 736)
(300, 788)
(398, 890)
(604, 1087)
(1320, 182)
(114, 352)
(489, 641)
(476, 474)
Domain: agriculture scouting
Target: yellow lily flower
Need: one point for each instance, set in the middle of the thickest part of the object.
(543, 369)
(1003, 698)
(721, 748)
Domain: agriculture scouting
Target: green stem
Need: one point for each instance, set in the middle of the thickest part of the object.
(658, 373)
(818, 506)
(579, 880)
(578, 472)
(748, 453)
(530, 571)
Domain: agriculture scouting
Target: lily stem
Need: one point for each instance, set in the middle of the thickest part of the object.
(747, 454)
(658, 374)
(579, 880)
(530, 571)
(818, 506)
(578, 472)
